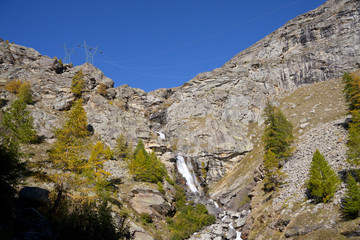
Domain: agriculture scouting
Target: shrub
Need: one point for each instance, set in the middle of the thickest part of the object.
(323, 181)
(160, 187)
(188, 220)
(146, 218)
(101, 89)
(13, 86)
(351, 204)
(25, 93)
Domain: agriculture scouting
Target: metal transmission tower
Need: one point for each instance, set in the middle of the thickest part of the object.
(68, 53)
(90, 52)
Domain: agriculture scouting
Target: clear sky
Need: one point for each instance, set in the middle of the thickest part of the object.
(148, 44)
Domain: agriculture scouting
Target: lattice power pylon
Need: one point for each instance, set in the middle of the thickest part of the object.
(68, 53)
(90, 52)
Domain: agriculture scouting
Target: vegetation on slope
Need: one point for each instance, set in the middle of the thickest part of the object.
(189, 217)
(323, 181)
(351, 204)
(277, 145)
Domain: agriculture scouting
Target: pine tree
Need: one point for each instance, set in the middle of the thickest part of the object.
(352, 96)
(78, 84)
(146, 167)
(277, 140)
(95, 171)
(353, 143)
(351, 205)
(140, 146)
(352, 90)
(273, 175)
(323, 181)
(67, 150)
(18, 123)
(96, 160)
(278, 133)
(123, 148)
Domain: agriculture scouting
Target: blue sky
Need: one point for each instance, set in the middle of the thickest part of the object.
(148, 44)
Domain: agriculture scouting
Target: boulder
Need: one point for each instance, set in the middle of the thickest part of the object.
(147, 200)
(34, 196)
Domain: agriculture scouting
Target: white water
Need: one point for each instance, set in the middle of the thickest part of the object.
(184, 170)
(215, 203)
(238, 234)
(161, 135)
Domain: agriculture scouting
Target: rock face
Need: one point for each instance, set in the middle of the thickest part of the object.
(215, 108)
(147, 200)
(207, 119)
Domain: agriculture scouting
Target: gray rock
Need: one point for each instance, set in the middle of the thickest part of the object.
(34, 196)
(147, 200)
(231, 234)
(240, 222)
(218, 230)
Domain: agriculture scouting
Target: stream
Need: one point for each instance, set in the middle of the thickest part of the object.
(223, 227)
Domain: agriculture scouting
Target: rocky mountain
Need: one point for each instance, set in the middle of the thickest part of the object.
(214, 121)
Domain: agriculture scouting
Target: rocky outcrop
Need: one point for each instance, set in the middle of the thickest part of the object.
(207, 119)
(151, 201)
(215, 108)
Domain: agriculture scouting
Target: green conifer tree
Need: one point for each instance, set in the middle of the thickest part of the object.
(140, 146)
(18, 123)
(323, 181)
(278, 133)
(273, 174)
(277, 145)
(352, 96)
(352, 90)
(146, 167)
(353, 143)
(123, 148)
(351, 205)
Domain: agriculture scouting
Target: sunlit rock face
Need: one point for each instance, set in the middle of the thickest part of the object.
(210, 115)
(208, 118)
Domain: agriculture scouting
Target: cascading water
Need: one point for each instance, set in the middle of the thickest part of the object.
(161, 135)
(222, 216)
(185, 172)
(238, 234)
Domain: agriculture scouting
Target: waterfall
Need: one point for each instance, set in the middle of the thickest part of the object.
(184, 170)
(238, 234)
(161, 135)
